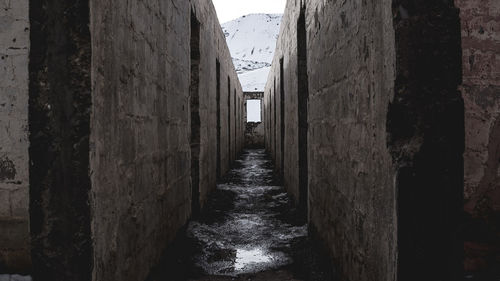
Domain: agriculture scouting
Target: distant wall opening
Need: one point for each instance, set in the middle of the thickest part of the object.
(195, 113)
(303, 98)
(217, 100)
(59, 126)
(425, 124)
(254, 111)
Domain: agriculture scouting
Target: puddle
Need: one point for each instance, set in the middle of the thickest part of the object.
(254, 234)
(245, 258)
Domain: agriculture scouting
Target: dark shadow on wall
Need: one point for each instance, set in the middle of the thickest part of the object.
(235, 128)
(274, 128)
(195, 113)
(303, 100)
(59, 126)
(282, 117)
(217, 73)
(425, 126)
(229, 119)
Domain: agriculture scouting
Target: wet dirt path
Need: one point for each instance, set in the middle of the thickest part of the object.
(253, 233)
(249, 230)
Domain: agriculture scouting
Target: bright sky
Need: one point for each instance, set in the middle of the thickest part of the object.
(253, 111)
(231, 9)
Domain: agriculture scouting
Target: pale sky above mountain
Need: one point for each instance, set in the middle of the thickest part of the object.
(231, 9)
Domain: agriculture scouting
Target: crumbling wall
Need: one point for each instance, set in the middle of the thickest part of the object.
(480, 24)
(14, 179)
(383, 123)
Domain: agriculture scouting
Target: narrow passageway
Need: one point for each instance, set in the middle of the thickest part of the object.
(249, 225)
(249, 230)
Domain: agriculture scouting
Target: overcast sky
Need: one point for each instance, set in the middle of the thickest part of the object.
(231, 9)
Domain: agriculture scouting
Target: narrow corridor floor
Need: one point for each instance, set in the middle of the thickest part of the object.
(249, 230)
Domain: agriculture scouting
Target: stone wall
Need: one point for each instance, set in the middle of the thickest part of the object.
(350, 66)
(481, 92)
(254, 135)
(383, 126)
(140, 157)
(214, 48)
(142, 126)
(14, 179)
(121, 97)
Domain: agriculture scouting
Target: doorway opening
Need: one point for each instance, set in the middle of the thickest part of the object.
(229, 119)
(275, 141)
(254, 111)
(195, 113)
(59, 109)
(425, 128)
(303, 99)
(217, 98)
(282, 118)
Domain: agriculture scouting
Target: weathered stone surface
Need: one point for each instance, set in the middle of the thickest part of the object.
(481, 92)
(254, 135)
(381, 122)
(14, 180)
(141, 126)
(351, 190)
(109, 122)
(15, 255)
(213, 48)
(140, 156)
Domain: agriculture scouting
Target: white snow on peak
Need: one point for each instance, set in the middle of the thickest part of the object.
(252, 40)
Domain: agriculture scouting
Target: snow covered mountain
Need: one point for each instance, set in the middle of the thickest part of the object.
(252, 40)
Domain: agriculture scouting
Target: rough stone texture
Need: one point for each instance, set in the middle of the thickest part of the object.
(140, 133)
(140, 153)
(110, 132)
(254, 135)
(383, 125)
(212, 47)
(140, 143)
(351, 189)
(14, 179)
(481, 92)
(254, 131)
